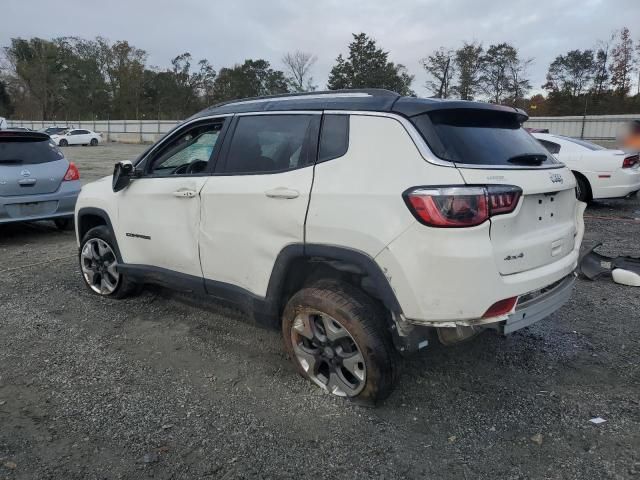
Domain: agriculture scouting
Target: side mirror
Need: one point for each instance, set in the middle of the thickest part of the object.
(123, 172)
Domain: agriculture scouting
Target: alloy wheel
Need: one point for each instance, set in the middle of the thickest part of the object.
(98, 263)
(328, 354)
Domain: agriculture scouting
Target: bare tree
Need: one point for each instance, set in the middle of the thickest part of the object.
(298, 67)
(601, 77)
(440, 65)
(468, 62)
(622, 62)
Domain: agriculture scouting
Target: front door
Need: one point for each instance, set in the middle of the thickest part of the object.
(159, 213)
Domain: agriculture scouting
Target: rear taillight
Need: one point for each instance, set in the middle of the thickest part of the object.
(630, 161)
(72, 173)
(502, 307)
(461, 206)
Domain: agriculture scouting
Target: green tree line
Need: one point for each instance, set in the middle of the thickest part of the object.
(71, 78)
(604, 79)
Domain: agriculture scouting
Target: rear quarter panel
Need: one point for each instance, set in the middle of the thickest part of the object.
(357, 199)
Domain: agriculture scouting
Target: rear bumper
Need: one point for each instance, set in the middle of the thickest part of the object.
(26, 208)
(538, 305)
(445, 279)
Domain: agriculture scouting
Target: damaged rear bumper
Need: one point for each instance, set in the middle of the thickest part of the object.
(536, 306)
(531, 307)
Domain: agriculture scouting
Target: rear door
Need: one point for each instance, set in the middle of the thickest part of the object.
(490, 148)
(30, 163)
(255, 203)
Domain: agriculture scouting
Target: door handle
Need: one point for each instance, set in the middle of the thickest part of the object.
(282, 192)
(184, 193)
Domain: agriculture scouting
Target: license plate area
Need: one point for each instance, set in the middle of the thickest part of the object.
(546, 208)
(31, 209)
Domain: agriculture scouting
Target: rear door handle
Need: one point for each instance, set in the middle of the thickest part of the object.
(282, 192)
(185, 193)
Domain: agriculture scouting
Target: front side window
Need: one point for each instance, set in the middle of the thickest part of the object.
(187, 154)
(271, 143)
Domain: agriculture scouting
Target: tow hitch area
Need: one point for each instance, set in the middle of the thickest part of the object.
(623, 270)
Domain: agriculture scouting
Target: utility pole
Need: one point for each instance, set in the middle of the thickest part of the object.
(584, 115)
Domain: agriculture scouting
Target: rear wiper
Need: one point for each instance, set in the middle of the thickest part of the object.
(528, 159)
(10, 160)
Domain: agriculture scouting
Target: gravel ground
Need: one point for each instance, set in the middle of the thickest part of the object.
(160, 386)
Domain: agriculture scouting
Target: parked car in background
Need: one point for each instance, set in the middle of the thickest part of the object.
(21, 129)
(600, 172)
(359, 221)
(36, 180)
(53, 130)
(77, 136)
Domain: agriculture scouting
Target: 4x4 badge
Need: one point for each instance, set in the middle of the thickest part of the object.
(556, 178)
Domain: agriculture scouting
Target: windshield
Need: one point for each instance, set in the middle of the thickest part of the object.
(27, 151)
(481, 137)
(582, 143)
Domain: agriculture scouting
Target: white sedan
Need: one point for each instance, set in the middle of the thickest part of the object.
(600, 172)
(77, 136)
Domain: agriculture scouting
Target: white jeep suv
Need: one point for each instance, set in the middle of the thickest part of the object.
(360, 221)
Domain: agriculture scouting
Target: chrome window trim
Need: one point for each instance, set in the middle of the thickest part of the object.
(305, 97)
(415, 136)
(426, 152)
(280, 112)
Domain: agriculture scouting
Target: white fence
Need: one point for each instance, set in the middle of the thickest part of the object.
(603, 128)
(591, 127)
(125, 131)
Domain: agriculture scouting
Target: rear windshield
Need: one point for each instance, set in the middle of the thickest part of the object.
(481, 137)
(23, 150)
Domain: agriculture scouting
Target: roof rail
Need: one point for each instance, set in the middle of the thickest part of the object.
(342, 93)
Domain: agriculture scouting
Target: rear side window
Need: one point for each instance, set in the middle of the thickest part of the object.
(334, 137)
(28, 151)
(481, 137)
(272, 143)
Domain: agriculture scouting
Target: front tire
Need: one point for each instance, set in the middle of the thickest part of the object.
(99, 265)
(338, 338)
(63, 143)
(94, 142)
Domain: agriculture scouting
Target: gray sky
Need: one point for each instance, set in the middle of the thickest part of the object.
(228, 32)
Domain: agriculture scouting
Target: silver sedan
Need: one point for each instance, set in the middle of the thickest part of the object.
(36, 181)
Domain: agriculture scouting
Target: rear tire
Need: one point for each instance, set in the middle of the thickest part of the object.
(98, 265)
(338, 339)
(63, 143)
(94, 142)
(583, 189)
(64, 223)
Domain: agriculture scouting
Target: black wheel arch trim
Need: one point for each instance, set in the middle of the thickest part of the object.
(334, 253)
(98, 212)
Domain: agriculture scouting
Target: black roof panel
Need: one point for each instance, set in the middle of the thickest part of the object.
(375, 100)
